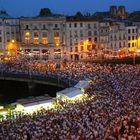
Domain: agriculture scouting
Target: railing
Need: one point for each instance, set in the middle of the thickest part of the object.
(38, 78)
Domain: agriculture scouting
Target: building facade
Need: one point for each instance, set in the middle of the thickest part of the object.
(9, 34)
(67, 38)
(44, 36)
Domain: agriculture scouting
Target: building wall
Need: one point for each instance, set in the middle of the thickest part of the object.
(48, 29)
(9, 30)
(132, 36)
(78, 39)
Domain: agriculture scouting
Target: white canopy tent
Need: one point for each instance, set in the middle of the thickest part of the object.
(69, 93)
(29, 106)
(82, 84)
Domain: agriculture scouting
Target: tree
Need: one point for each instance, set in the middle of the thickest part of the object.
(45, 12)
(78, 14)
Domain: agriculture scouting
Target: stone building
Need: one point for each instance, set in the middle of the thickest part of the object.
(9, 34)
(44, 36)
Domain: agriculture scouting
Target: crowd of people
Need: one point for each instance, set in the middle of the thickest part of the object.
(111, 111)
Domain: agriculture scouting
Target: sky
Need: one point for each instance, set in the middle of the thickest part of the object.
(17, 8)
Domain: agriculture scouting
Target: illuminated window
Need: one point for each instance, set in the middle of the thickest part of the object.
(57, 41)
(81, 43)
(76, 49)
(45, 40)
(36, 40)
(56, 34)
(133, 44)
(27, 37)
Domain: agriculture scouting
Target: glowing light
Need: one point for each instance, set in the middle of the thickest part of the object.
(13, 41)
(1, 107)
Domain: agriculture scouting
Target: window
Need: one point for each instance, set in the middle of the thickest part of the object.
(36, 34)
(70, 25)
(133, 30)
(57, 41)
(89, 39)
(26, 27)
(45, 40)
(56, 34)
(0, 39)
(95, 39)
(36, 40)
(44, 26)
(81, 24)
(95, 26)
(89, 33)
(44, 34)
(75, 25)
(129, 38)
(76, 49)
(81, 33)
(0, 31)
(129, 31)
(95, 32)
(89, 26)
(124, 37)
(56, 25)
(81, 42)
(27, 37)
(129, 45)
(35, 27)
(123, 44)
(133, 44)
(133, 37)
(82, 48)
(120, 44)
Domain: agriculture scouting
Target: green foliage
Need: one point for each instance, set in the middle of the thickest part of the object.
(45, 12)
(78, 14)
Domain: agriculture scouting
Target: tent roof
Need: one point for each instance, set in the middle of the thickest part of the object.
(70, 92)
(82, 84)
